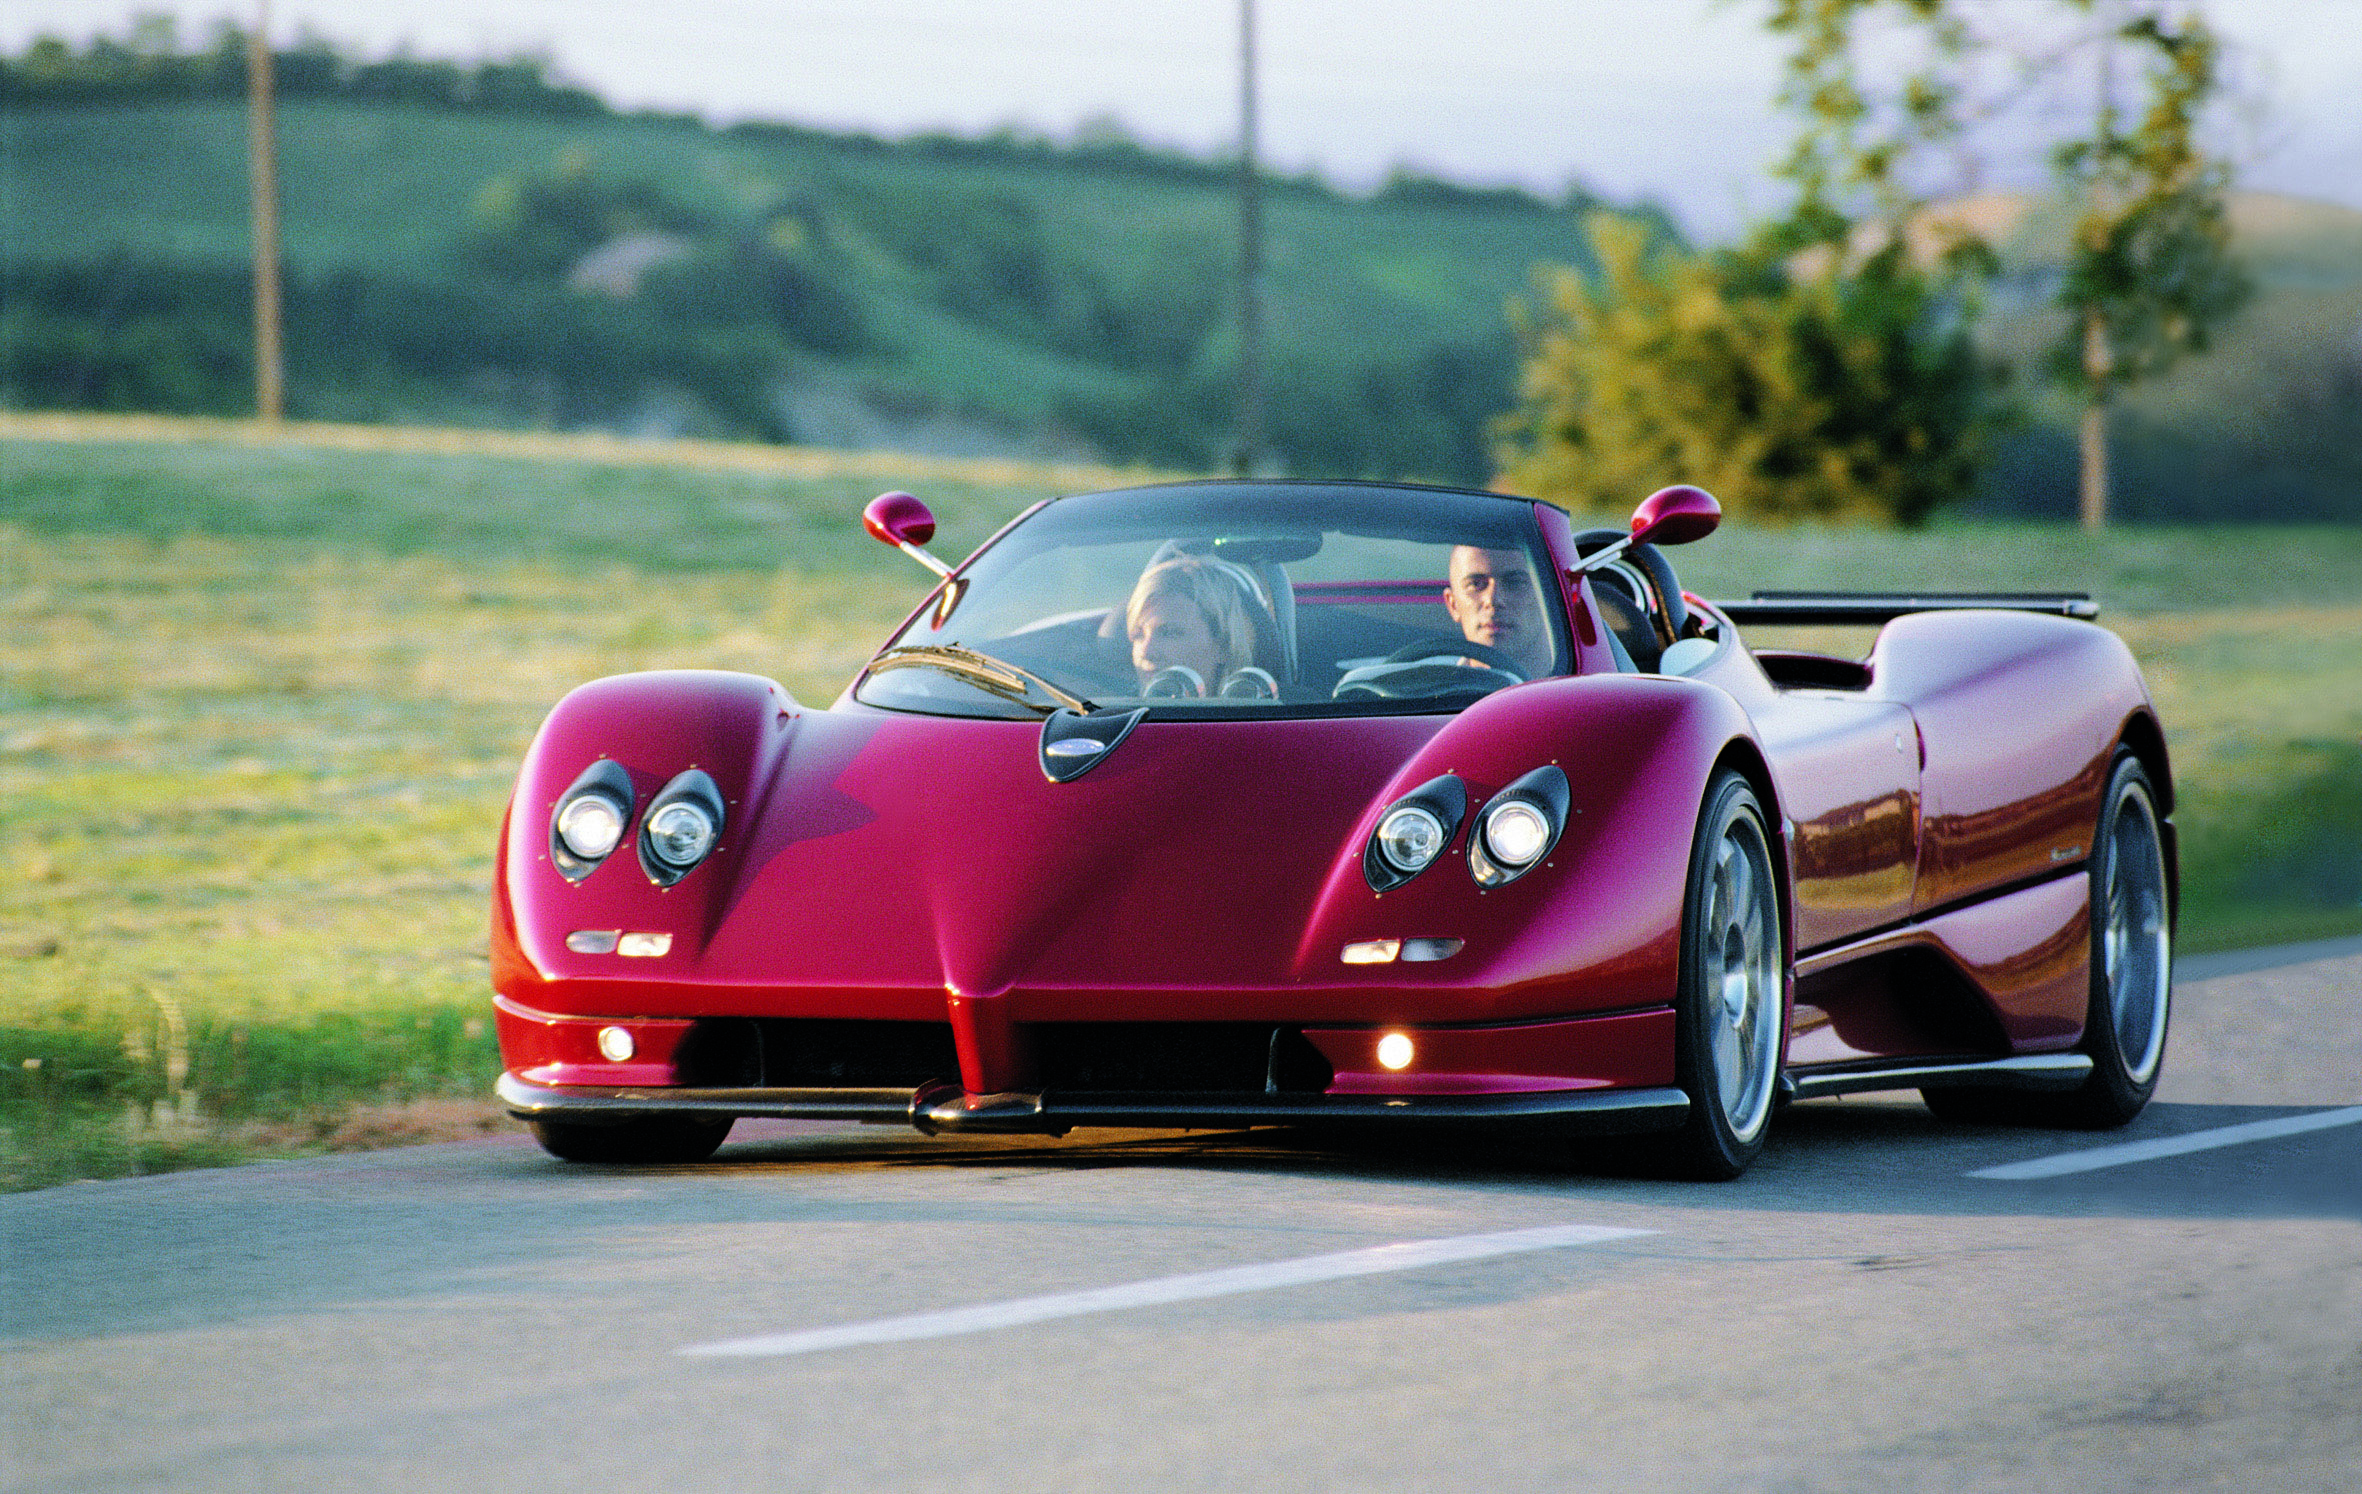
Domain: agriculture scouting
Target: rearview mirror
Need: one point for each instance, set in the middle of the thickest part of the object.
(1675, 516)
(900, 520)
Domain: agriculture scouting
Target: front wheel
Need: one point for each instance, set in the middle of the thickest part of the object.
(1731, 1010)
(648, 1139)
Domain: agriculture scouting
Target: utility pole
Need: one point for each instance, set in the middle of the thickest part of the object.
(263, 169)
(1250, 258)
(2099, 363)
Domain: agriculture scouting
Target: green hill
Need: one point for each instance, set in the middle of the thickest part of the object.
(486, 247)
(994, 296)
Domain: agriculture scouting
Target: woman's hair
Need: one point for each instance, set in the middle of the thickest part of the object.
(1218, 593)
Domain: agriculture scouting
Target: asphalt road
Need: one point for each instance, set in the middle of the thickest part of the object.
(1149, 1311)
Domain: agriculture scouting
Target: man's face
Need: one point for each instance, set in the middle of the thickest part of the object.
(1493, 599)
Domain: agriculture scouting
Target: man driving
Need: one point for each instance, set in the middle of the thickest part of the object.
(1492, 596)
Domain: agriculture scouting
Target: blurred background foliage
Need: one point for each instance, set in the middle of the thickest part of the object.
(485, 245)
(1858, 397)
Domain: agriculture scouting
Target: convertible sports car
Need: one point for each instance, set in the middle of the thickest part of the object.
(1317, 803)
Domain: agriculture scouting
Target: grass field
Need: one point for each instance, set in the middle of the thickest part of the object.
(260, 707)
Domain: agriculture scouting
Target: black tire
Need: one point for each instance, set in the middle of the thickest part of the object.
(1731, 1013)
(2131, 977)
(649, 1139)
(2131, 955)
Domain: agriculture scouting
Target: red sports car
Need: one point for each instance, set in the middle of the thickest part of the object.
(1317, 803)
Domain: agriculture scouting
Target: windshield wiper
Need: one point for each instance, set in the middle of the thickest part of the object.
(982, 670)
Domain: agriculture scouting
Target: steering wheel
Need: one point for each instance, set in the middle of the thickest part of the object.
(1174, 682)
(1418, 669)
(1485, 655)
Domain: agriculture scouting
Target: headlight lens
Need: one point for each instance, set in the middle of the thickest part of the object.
(1515, 834)
(590, 819)
(1412, 831)
(680, 834)
(590, 826)
(1409, 838)
(1516, 830)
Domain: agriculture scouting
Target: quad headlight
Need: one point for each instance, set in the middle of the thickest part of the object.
(1412, 832)
(682, 826)
(680, 834)
(680, 829)
(1409, 837)
(590, 826)
(1516, 833)
(588, 821)
(1516, 830)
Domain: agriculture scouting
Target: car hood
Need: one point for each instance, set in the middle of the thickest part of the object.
(929, 853)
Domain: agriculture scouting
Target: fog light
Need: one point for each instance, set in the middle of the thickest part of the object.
(616, 1045)
(644, 946)
(1372, 952)
(593, 941)
(1394, 1051)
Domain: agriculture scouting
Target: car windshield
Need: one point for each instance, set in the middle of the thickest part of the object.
(1219, 600)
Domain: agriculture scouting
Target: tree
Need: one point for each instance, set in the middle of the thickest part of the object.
(1853, 396)
(1823, 371)
(2151, 271)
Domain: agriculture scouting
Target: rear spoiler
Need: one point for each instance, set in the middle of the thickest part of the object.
(1886, 606)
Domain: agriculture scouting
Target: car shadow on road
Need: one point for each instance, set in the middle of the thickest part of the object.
(189, 1249)
(1860, 1154)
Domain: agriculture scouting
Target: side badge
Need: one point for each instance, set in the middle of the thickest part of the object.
(1073, 744)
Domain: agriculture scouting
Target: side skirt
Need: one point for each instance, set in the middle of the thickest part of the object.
(2054, 1071)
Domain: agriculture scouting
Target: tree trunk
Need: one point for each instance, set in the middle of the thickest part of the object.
(2095, 465)
(2097, 365)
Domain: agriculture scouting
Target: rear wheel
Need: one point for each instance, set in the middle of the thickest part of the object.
(1731, 1011)
(648, 1139)
(2131, 976)
(2131, 956)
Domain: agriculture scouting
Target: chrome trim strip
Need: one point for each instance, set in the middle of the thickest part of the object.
(1594, 1111)
(529, 1101)
(2053, 1071)
(1591, 1111)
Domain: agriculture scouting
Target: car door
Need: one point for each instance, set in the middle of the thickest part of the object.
(1848, 772)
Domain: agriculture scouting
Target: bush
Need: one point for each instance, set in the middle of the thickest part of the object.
(1790, 394)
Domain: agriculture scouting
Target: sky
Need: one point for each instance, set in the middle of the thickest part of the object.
(1665, 99)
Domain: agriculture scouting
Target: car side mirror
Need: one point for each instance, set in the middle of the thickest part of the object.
(900, 520)
(1675, 516)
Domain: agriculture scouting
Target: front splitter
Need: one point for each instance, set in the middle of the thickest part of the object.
(933, 1108)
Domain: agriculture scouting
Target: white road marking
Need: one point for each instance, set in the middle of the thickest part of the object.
(2171, 1146)
(1409, 1255)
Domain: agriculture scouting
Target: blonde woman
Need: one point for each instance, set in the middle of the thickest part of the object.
(1189, 628)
